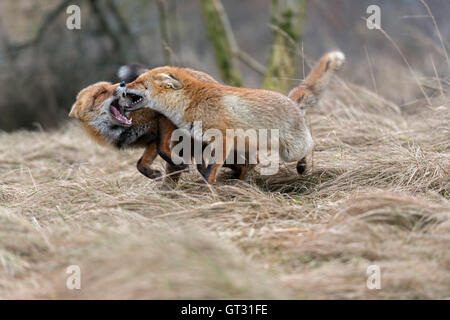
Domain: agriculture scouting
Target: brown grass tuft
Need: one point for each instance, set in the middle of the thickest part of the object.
(376, 192)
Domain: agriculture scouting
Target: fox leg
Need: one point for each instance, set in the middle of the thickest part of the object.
(143, 165)
(165, 132)
(212, 169)
(240, 170)
(173, 171)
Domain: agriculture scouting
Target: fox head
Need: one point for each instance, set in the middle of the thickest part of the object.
(163, 85)
(99, 100)
(99, 112)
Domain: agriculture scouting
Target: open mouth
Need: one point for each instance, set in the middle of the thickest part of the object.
(133, 100)
(116, 112)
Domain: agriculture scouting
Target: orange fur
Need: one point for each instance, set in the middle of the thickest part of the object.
(185, 100)
(88, 110)
(310, 90)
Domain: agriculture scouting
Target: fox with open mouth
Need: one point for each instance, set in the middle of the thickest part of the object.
(185, 100)
(102, 117)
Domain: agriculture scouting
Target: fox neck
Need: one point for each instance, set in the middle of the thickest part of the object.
(174, 114)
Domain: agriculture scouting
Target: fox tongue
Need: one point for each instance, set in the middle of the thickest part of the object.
(119, 116)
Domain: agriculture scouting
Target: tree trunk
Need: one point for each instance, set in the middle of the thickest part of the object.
(164, 28)
(222, 40)
(287, 21)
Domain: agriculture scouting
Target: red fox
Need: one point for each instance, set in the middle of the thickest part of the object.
(105, 121)
(185, 100)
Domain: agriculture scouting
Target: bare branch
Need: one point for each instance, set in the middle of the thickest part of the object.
(251, 62)
(47, 21)
(226, 25)
(106, 29)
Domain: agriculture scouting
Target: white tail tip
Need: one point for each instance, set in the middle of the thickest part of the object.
(124, 72)
(337, 58)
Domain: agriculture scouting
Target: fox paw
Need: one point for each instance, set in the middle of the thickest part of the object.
(150, 173)
(301, 166)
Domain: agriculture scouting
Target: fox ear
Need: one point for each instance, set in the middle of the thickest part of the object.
(74, 112)
(168, 81)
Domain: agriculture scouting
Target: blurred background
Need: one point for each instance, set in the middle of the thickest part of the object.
(252, 43)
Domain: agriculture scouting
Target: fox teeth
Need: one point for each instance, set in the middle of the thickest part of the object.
(136, 102)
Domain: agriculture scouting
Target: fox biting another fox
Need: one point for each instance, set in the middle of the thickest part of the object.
(107, 123)
(146, 112)
(185, 100)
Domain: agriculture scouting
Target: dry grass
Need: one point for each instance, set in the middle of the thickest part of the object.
(377, 192)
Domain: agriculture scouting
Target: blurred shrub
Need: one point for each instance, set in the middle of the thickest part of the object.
(40, 80)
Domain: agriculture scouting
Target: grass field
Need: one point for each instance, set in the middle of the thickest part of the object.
(376, 193)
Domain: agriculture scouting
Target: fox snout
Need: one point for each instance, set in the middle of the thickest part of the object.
(120, 91)
(128, 100)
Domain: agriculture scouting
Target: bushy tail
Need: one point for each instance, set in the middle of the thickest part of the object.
(308, 93)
